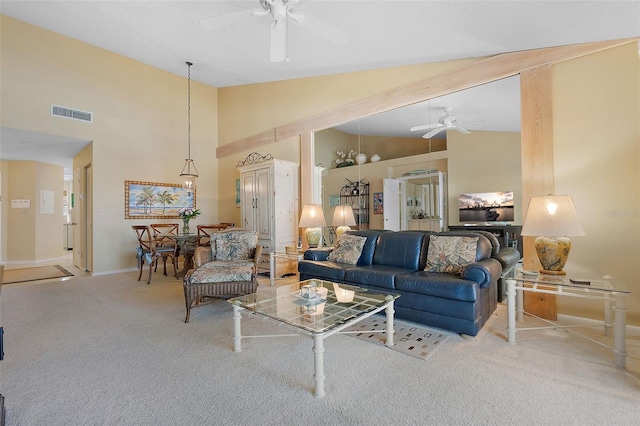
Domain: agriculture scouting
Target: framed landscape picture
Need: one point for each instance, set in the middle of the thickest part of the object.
(151, 200)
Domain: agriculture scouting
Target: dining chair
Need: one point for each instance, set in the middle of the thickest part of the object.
(205, 231)
(160, 230)
(151, 249)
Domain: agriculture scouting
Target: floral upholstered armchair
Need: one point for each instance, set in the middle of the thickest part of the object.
(224, 269)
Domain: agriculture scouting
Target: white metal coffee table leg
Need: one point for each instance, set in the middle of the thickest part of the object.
(389, 332)
(620, 333)
(511, 311)
(318, 365)
(237, 329)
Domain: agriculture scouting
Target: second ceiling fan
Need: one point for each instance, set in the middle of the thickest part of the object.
(446, 122)
(281, 12)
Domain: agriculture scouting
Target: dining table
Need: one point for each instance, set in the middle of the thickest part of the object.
(182, 240)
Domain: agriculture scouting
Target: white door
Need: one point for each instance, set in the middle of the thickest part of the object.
(76, 197)
(391, 204)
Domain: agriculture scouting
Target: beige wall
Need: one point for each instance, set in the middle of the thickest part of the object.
(596, 152)
(484, 162)
(139, 130)
(596, 89)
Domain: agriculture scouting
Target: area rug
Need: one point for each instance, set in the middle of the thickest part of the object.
(12, 276)
(409, 339)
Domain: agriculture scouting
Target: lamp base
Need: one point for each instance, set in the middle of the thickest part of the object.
(341, 230)
(553, 253)
(314, 236)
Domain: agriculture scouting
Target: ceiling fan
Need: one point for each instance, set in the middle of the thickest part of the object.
(281, 12)
(446, 122)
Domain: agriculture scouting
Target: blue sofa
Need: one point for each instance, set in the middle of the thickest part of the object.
(394, 262)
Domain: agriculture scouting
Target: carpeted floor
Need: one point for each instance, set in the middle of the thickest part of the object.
(110, 350)
(12, 276)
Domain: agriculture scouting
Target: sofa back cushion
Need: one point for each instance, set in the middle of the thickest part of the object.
(366, 257)
(404, 249)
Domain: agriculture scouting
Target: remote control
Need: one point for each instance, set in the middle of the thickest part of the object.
(582, 282)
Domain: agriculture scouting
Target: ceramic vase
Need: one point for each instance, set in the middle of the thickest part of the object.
(185, 225)
(361, 158)
(374, 158)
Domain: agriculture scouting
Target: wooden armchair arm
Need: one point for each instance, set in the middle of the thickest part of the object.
(201, 255)
(256, 258)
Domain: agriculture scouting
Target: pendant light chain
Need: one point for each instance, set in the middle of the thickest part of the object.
(189, 171)
(189, 110)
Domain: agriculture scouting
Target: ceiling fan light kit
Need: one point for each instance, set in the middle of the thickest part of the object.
(281, 11)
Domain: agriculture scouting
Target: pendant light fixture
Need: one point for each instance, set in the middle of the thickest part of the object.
(189, 172)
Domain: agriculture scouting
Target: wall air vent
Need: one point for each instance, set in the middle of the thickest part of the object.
(74, 114)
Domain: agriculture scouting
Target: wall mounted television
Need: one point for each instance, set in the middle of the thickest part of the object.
(486, 207)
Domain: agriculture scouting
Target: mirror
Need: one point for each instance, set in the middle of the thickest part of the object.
(471, 161)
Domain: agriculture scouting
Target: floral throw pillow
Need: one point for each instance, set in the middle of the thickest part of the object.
(450, 254)
(348, 249)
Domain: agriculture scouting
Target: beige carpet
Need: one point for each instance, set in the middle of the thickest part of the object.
(12, 276)
(110, 350)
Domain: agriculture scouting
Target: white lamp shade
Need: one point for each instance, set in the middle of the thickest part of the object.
(552, 216)
(343, 216)
(312, 216)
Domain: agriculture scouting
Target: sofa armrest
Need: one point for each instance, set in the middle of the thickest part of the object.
(317, 253)
(484, 272)
(508, 258)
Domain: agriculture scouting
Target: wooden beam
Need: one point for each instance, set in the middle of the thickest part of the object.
(477, 73)
(536, 99)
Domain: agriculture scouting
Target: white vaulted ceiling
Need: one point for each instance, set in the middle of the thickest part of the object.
(165, 34)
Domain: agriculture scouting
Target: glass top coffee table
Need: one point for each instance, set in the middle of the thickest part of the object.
(315, 317)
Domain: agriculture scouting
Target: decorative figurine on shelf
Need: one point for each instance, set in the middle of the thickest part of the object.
(345, 159)
(186, 213)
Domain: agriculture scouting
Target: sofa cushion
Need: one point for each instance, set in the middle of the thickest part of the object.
(324, 269)
(348, 249)
(380, 276)
(439, 285)
(403, 249)
(235, 245)
(369, 246)
(450, 254)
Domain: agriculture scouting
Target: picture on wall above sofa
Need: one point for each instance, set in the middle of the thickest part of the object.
(486, 207)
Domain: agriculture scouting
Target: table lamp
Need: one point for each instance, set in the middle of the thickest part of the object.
(343, 218)
(312, 218)
(551, 219)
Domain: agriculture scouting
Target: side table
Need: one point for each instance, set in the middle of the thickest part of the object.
(296, 257)
(610, 291)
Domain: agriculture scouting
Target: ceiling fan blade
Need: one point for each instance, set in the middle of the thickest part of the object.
(278, 42)
(461, 130)
(226, 20)
(433, 132)
(324, 29)
(425, 127)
